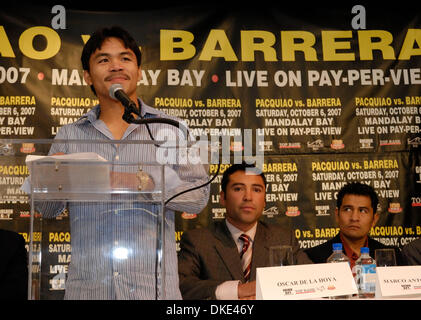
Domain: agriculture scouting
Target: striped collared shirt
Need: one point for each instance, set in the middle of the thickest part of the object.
(114, 243)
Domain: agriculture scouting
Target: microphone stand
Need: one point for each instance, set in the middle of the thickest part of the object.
(128, 117)
(131, 108)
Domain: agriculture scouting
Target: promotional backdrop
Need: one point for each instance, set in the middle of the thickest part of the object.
(334, 96)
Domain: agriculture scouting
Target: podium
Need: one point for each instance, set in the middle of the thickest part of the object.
(95, 228)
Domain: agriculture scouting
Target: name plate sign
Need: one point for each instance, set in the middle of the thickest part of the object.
(398, 282)
(307, 281)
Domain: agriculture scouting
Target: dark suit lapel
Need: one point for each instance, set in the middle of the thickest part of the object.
(228, 251)
(260, 257)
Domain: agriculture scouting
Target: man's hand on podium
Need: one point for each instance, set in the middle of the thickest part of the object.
(129, 180)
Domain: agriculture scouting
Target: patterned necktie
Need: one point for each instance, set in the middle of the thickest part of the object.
(245, 256)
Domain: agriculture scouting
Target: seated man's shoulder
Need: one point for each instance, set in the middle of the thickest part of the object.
(10, 240)
(414, 245)
(7, 234)
(375, 244)
(274, 227)
(324, 247)
(198, 232)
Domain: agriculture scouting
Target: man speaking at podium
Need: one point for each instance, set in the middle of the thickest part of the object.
(114, 244)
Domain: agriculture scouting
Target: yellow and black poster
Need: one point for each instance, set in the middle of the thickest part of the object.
(333, 95)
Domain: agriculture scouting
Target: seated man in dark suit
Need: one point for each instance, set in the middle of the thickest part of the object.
(220, 262)
(355, 213)
(13, 266)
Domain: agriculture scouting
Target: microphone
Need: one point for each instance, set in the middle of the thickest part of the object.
(116, 92)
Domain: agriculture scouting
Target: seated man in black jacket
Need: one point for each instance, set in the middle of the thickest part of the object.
(356, 213)
(411, 252)
(13, 266)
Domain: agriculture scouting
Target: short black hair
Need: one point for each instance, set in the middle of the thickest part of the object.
(99, 36)
(239, 167)
(359, 189)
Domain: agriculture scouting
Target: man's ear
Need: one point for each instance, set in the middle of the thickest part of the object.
(139, 74)
(87, 77)
(222, 198)
(336, 214)
(375, 219)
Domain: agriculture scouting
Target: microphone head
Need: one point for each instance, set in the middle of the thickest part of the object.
(113, 89)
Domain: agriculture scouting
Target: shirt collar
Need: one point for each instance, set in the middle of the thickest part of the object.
(236, 233)
(147, 111)
(353, 256)
(93, 114)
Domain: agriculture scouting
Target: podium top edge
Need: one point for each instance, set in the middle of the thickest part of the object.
(97, 141)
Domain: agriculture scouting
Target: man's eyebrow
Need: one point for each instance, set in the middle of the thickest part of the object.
(105, 54)
(352, 206)
(237, 184)
(243, 184)
(128, 52)
(101, 54)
